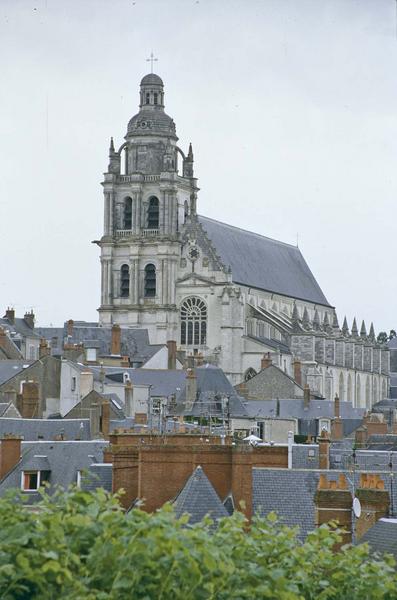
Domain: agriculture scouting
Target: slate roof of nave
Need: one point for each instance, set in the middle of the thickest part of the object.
(263, 263)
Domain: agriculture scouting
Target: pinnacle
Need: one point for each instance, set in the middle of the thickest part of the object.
(363, 330)
(354, 328)
(345, 327)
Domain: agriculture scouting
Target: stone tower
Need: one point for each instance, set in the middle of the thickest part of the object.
(147, 199)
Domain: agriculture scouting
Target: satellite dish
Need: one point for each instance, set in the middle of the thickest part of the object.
(357, 507)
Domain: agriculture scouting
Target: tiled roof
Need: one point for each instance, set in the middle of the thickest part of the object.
(46, 429)
(164, 382)
(97, 475)
(134, 342)
(290, 493)
(62, 459)
(198, 498)
(212, 385)
(382, 537)
(9, 368)
(263, 263)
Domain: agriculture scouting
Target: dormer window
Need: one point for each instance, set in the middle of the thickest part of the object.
(33, 480)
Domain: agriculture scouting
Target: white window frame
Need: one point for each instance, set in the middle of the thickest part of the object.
(23, 481)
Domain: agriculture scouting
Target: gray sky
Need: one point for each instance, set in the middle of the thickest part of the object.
(290, 106)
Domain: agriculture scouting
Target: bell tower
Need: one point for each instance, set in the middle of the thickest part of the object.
(149, 190)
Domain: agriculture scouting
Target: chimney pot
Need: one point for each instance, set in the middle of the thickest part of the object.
(171, 346)
(266, 361)
(115, 349)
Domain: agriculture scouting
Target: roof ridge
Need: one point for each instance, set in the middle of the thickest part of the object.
(250, 232)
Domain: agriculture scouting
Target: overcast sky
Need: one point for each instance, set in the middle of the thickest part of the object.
(290, 106)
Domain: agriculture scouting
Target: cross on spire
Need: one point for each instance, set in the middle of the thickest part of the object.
(151, 60)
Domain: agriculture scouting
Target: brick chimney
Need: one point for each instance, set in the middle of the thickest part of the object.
(129, 399)
(10, 315)
(69, 328)
(266, 361)
(44, 349)
(29, 319)
(191, 389)
(298, 371)
(28, 402)
(337, 407)
(306, 397)
(171, 346)
(337, 423)
(361, 437)
(86, 382)
(375, 502)
(105, 418)
(115, 348)
(10, 453)
(323, 449)
(333, 502)
(95, 413)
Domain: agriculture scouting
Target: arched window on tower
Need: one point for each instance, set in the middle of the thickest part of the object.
(127, 217)
(125, 281)
(147, 99)
(193, 322)
(155, 97)
(153, 213)
(150, 281)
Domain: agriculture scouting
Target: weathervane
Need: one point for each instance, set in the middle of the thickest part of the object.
(151, 60)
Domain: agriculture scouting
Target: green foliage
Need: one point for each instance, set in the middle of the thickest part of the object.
(82, 546)
(383, 338)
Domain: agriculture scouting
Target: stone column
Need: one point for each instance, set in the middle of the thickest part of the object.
(111, 213)
(106, 214)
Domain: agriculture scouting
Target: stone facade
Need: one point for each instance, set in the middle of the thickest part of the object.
(163, 270)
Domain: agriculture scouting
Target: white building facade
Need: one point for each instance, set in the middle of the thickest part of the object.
(228, 294)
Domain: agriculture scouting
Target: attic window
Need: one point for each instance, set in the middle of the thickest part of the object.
(32, 480)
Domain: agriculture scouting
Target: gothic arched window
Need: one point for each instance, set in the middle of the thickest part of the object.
(127, 216)
(150, 281)
(153, 213)
(125, 281)
(193, 322)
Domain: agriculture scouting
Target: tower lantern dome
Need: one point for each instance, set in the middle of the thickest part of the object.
(151, 118)
(152, 91)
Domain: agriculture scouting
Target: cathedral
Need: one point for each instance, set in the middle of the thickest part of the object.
(227, 294)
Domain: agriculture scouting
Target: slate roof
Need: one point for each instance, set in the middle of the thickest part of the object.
(10, 368)
(294, 408)
(46, 429)
(290, 493)
(198, 498)
(134, 342)
(97, 475)
(263, 263)
(19, 326)
(164, 382)
(212, 384)
(62, 459)
(382, 537)
(277, 345)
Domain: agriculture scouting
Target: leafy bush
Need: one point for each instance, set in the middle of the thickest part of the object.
(79, 545)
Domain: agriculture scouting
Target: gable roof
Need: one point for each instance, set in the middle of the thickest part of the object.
(263, 263)
(198, 498)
